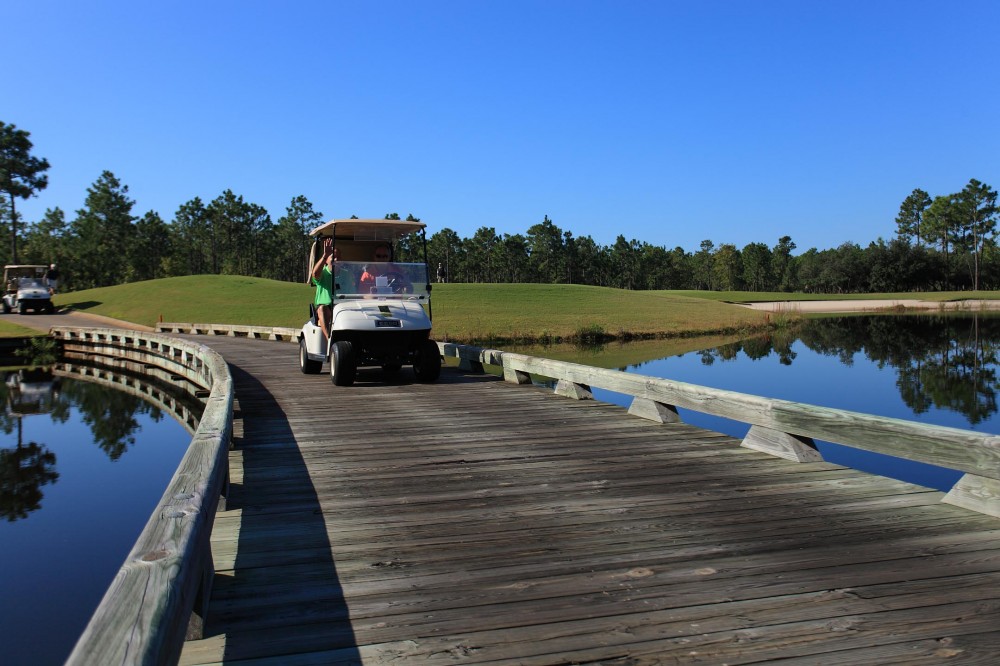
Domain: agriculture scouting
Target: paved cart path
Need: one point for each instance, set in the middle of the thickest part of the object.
(44, 322)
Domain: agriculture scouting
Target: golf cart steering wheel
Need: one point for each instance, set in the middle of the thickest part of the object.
(397, 282)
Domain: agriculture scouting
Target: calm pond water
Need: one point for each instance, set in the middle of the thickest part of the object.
(932, 369)
(81, 469)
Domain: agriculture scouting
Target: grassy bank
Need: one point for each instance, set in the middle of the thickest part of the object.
(486, 313)
(493, 313)
(481, 313)
(622, 355)
(9, 329)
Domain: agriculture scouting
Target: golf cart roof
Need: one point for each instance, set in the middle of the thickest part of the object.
(11, 271)
(386, 230)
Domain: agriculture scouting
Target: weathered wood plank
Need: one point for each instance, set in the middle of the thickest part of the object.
(654, 411)
(781, 444)
(474, 521)
(953, 448)
(976, 493)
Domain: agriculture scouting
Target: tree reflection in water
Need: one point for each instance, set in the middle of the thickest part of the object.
(23, 471)
(110, 415)
(943, 361)
(26, 468)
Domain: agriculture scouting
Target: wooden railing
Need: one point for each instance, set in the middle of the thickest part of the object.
(778, 427)
(281, 334)
(159, 595)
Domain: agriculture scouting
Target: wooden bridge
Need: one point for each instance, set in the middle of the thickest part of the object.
(478, 520)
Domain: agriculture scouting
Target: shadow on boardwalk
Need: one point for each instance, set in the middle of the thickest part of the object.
(282, 550)
(475, 521)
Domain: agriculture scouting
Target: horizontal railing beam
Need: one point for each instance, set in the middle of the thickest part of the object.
(962, 450)
(278, 333)
(953, 448)
(146, 613)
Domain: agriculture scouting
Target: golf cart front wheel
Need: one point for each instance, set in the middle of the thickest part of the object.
(427, 362)
(306, 364)
(343, 367)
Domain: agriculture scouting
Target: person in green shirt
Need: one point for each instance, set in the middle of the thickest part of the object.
(323, 277)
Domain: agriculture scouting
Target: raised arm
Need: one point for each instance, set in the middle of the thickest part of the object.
(327, 251)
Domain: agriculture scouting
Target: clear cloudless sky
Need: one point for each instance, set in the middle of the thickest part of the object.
(669, 122)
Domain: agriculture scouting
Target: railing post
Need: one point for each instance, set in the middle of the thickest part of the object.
(199, 612)
(468, 365)
(977, 493)
(782, 445)
(573, 390)
(515, 376)
(654, 411)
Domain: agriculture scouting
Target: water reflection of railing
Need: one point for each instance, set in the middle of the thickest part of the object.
(160, 592)
(123, 375)
(778, 427)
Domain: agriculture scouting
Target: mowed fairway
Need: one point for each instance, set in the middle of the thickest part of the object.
(462, 312)
(477, 313)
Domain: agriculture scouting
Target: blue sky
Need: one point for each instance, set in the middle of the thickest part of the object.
(667, 122)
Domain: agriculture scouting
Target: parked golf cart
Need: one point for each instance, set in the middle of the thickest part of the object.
(384, 320)
(25, 289)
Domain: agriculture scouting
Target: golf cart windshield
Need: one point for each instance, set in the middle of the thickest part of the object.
(13, 273)
(380, 279)
(31, 283)
(358, 275)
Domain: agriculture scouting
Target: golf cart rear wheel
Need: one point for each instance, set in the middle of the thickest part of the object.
(343, 366)
(306, 364)
(427, 364)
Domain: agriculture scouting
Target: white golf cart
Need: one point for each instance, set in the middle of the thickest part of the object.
(25, 289)
(381, 312)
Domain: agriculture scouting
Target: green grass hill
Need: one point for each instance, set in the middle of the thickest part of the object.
(461, 312)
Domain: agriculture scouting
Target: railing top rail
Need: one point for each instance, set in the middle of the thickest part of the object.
(143, 617)
(953, 448)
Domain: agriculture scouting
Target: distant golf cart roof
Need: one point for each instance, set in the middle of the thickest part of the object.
(13, 271)
(366, 230)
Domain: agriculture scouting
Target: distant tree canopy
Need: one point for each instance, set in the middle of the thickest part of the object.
(21, 175)
(941, 242)
(945, 242)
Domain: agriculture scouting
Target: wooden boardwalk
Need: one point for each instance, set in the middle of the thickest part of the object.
(476, 521)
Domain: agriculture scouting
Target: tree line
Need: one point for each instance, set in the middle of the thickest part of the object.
(940, 362)
(941, 242)
(945, 242)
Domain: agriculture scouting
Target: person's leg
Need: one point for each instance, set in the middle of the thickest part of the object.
(323, 316)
